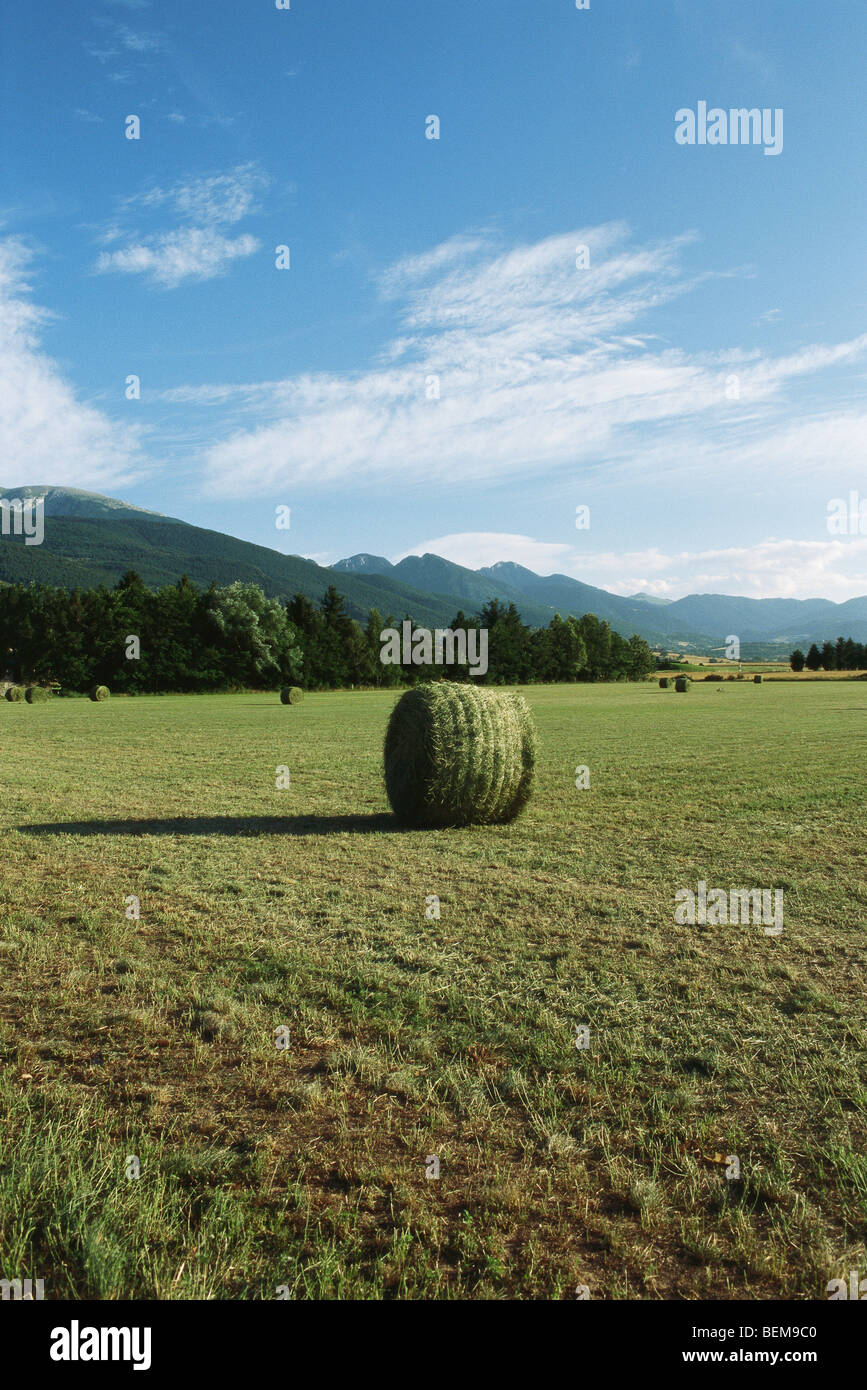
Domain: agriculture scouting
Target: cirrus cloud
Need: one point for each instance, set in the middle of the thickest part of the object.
(513, 360)
(191, 253)
(46, 433)
(197, 249)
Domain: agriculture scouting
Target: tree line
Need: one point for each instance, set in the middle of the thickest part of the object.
(842, 655)
(184, 638)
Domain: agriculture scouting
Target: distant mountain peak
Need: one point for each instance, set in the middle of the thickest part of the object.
(74, 501)
(364, 564)
(502, 568)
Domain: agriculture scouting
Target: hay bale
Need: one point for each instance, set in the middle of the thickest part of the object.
(15, 694)
(36, 694)
(682, 684)
(291, 695)
(100, 692)
(665, 683)
(758, 680)
(456, 754)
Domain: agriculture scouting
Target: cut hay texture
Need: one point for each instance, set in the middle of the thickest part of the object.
(758, 680)
(291, 695)
(36, 694)
(100, 692)
(15, 694)
(665, 683)
(459, 755)
(682, 684)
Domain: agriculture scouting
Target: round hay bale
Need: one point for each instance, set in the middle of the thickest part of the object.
(682, 684)
(456, 754)
(758, 680)
(36, 694)
(100, 692)
(15, 694)
(665, 683)
(291, 695)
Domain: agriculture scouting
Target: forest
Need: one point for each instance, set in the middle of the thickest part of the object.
(184, 638)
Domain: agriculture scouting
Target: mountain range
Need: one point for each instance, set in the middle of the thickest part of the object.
(91, 539)
(697, 621)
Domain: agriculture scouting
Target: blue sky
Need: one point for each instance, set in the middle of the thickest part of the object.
(436, 370)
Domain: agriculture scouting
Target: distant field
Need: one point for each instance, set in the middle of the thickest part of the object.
(778, 669)
(305, 1166)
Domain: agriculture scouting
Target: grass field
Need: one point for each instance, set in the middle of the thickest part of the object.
(304, 1166)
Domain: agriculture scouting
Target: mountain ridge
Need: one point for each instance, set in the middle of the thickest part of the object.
(95, 539)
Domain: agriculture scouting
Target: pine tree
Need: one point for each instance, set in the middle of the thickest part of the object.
(813, 659)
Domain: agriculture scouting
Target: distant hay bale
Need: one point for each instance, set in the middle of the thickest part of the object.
(682, 684)
(714, 676)
(100, 692)
(758, 680)
(36, 694)
(456, 754)
(291, 695)
(665, 683)
(15, 694)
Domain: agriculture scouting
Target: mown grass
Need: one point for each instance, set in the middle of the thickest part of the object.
(304, 1167)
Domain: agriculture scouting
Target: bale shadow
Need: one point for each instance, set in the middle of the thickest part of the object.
(377, 823)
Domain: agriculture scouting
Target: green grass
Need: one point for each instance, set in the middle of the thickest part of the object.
(408, 1036)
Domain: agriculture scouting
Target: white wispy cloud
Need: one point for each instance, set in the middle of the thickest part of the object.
(191, 253)
(102, 54)
(513, 360)
(477, 549)
(198, 248)
(212, 199)
(411, 269)
(48, 435)
(137, 42)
